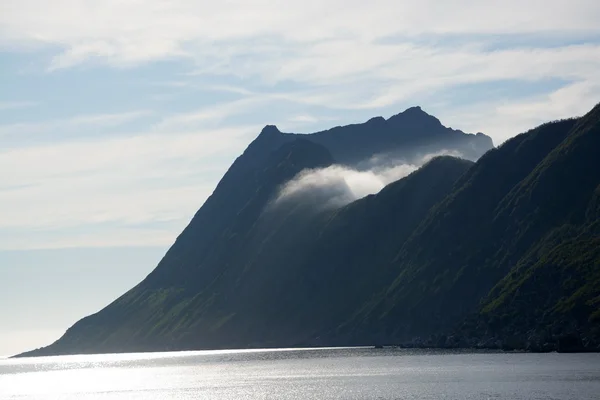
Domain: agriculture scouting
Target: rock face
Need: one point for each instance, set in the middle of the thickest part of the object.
(500, 253)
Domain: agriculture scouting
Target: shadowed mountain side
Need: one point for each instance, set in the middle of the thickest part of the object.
(554, 289)
(455, 254)
(183, 302)
(352, 258)
(161, 309)
(283, 281)
(409, 133)
(316, 269)
(532, 201)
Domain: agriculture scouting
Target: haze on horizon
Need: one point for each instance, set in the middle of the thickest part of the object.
(117, 119)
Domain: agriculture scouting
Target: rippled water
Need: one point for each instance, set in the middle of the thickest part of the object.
(304, 374)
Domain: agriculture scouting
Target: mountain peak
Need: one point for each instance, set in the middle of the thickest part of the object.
(270, 130)
(415, 112)
(416, 115)
(415, 109)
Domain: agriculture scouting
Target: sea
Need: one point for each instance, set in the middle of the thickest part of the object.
(332, 373)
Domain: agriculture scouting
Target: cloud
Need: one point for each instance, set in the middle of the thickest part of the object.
(109, 236)
(339, 55)
(303, 119)
(75, 122)
(212, 114)
(503, 120)
(125, 182)
(380, 81)
(337, 185)
(130, 31)
(314, 41)
(13, 105)
(344, 76)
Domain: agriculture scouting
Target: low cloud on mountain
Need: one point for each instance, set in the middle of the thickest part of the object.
(338, 185)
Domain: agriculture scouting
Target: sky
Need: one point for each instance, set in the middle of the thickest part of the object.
(118, 117)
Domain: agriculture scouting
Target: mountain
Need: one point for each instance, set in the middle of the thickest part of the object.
(502, 252)
(515, 245)
(401, 136)
(553, 216)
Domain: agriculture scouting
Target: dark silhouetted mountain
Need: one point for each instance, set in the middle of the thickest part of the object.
(502, 252)
(520, 232)
(420, 133)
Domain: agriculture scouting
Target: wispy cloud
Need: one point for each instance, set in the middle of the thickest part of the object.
(13, 105)
(76, 122)
(107, 119)
(125, 32)
(142, 179)
(504, 119)
(211, 115)
(100, 236)
(333, 54)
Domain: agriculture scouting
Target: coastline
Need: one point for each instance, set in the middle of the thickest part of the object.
(496, 348)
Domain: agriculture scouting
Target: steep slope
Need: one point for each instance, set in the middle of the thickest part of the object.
(238, 187)
(405, 135)
(528, 207)
(356, 246)
(293, 277)
(500, 253)
(338, 261)
(235, 243)
(555, 288)
(159, 312)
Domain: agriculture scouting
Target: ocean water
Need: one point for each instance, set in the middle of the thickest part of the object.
(355, 373)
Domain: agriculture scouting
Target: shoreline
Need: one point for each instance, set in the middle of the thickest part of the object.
(466, 349)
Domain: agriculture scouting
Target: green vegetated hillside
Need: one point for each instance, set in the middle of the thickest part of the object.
(500, 253)
(510, 258)
(553, 288)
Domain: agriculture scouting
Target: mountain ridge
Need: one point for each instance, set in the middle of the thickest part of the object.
(430, 260)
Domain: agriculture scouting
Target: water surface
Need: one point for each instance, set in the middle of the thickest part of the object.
(304, 374)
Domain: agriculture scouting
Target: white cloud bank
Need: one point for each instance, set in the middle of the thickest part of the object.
(337, 185)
